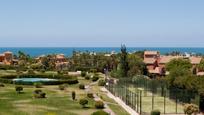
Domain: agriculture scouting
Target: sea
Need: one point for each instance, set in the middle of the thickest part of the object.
(37, 51)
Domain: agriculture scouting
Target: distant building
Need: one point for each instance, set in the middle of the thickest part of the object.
(61, 61)
(155, 63)
(150, 59)
(6, 58)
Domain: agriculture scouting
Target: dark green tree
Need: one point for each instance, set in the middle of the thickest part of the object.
(123, 62)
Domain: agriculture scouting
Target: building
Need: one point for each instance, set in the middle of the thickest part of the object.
(151, 60)
(61, 61)
(6, 58)
(155, 62)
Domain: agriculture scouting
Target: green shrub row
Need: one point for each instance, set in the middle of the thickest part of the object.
(58, 82)
(38, 76)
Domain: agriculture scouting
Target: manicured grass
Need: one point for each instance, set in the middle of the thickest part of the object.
(57, 102)
(7, 72)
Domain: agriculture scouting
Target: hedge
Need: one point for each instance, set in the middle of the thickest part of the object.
(58, 82)
(38, 76)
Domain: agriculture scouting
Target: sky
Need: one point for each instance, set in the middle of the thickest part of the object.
(101, 23)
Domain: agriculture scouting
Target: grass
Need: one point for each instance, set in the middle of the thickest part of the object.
(57, 102)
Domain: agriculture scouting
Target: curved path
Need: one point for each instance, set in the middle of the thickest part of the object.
(96, 98)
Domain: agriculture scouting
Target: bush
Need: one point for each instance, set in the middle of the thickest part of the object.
(39, 94)
(83, 102)
(90, 95)
(73, 95)
(2, 85)
(42, 70)
(31, 71)
(62, 87)
(155, 112)
(100, 113)
(99, 104)
(87, 77)
(81, 86)
(190, 109)
(83, 73)
(19, 89)
(38, 85)
(101, 82)
(60, 72)
(37, 91)
(95, 78)
(93, 70)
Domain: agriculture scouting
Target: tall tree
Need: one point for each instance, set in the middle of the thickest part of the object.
(123, 62)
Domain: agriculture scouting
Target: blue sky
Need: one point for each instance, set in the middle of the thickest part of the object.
(102, 23)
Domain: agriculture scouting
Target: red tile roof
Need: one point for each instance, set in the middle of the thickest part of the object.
(195, 60)
(151, 52)
(149, 60)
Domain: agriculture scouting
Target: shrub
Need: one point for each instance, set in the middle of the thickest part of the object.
(100, 113)
(93, 70)
(2, 85)
(83, 73)
(39, 94)
(81, 86)
(31, 71)
(155, 112)
(87, 77)
(95, 78)
(101, 82)
(190, 109)
(60, 72)
(73, 95)
(99, 104)
(38, 85)
(42, 70)
(62, 87)
(90, 95)
(19, 89)
(83, 102)
(37, 91)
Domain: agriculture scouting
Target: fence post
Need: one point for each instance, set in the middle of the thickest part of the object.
(176, 101)
(140, 101)
(137, 101)
(152, 101)
(164, 101)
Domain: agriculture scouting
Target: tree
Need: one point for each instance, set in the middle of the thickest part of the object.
(123, 62)
(179, 63)
(136, 65)
(200, 66)
(73, 95)
(83, 102)
(19, 89)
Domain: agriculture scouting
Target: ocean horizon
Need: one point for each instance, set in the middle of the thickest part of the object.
(37, 51)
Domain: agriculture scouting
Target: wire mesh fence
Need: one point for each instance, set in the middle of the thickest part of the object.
(144, 95)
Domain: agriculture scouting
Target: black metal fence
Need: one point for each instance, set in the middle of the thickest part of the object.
(144, 95)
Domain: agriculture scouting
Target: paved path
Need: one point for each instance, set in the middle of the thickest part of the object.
(96, 98)
(120, 102)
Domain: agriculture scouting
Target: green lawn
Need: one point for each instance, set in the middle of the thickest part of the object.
(57, 102)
